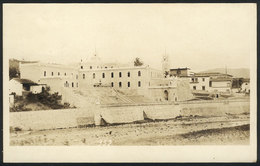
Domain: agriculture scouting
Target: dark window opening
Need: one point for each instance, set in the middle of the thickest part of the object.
(210, 84)
(81, 67)
(112, 84)
(128, 74)
(51, 73)
(128, 84)
(112, 75)
(120, 74)
(94, 75)
(203, 88)
(139, 73)
(139, 83)
(194, 87)
(90, 67)
(44, 73)
(166, 95)
(120, 84)
(103, 75)
(83, 76)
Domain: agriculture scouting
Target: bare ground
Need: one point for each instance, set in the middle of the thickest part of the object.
(225, 130)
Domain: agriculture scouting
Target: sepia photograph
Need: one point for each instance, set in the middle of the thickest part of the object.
(145, 76)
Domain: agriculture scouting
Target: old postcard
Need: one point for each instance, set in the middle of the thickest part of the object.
(129, 82)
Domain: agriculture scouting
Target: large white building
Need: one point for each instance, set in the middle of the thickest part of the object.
(139, 80)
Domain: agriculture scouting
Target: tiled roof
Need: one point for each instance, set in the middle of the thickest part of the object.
(180, 69)
(211, 74)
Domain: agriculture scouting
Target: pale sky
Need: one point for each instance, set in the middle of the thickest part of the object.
(199, 36)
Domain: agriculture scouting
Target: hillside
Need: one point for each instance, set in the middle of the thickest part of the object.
(238, 72)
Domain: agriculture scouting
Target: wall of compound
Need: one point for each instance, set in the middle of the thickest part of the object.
(31, 72)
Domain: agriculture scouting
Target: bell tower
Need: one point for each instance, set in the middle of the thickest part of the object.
(165, 63)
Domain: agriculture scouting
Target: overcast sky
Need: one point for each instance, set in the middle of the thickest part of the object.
(199, 36)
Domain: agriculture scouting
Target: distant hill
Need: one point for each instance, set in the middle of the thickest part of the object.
(239, 72)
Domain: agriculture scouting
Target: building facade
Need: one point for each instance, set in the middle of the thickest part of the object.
(211, 82)
(132, 80)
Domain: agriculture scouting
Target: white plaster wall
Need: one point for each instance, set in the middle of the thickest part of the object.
(15, 87)
(89, 81)
(35, 89)
(30, 71)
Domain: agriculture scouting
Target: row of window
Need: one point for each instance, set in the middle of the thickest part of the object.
(52, 74)
(203, 88)
(90, 67)
(112, 75)
(66, 84)
(128, 84)
(196, 79)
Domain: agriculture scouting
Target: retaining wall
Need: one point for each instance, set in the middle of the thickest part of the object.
(52, 119)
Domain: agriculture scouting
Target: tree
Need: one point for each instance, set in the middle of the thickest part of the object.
(13, 72)
(138, 62)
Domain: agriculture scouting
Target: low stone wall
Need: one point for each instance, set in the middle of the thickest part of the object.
(215, 109)
(127, 114)
(53, 119)
(50, 119)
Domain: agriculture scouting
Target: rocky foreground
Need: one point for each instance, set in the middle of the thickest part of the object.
(224, 130)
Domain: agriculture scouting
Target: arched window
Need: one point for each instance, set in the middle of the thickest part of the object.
(65, 74)
(81, 67)
(139, 83)
(90, 67)
(128, 74)
(51, 73)
(120, 74)
(120, 84)
(58, 73)
(112, 84)
(139, 73)
(94, 75)
(44, 73)
(128, 84)
(112, 75)
(103, 75)
(83, 76)
(72, 84)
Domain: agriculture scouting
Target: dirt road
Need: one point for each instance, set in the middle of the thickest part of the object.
(229, 129)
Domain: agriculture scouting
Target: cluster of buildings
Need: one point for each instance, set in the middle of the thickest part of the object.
(177, 85)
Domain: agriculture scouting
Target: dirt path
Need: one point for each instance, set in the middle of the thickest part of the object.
(231, 129)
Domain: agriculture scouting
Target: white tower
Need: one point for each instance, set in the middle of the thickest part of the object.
(165, 63)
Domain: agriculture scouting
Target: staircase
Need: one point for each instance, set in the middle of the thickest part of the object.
(101, 95)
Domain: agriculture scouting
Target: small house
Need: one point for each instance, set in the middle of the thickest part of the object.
(17, 86)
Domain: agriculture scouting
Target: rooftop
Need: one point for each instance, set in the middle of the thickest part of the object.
(211, 74)
(185, 68)
(25, 81)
